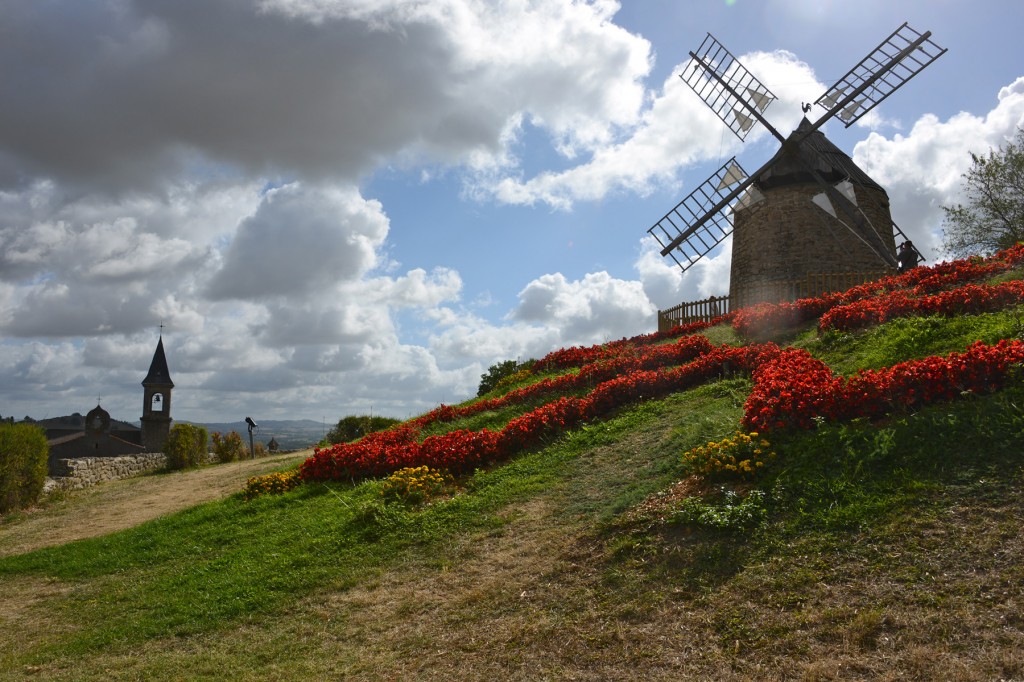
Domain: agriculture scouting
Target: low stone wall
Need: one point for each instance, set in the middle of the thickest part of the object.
(83, 472)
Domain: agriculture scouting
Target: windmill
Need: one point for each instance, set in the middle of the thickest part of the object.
(809, 209)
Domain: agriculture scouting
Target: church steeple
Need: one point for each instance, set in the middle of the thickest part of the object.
(156, 401)
(158, 372)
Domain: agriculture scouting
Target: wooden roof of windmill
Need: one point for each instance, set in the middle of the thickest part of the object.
(802, 149)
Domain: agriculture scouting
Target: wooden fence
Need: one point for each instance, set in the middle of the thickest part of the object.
(768, 292)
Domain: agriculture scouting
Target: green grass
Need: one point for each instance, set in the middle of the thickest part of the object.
(219, 563)
(910, 338)
(847, 477)
(851, 530)
(840, 543)
(723, 333)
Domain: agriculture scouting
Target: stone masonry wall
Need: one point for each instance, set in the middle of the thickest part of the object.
(787, 239)
(82, 472)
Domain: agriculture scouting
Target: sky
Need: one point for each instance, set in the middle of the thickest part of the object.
(339, 207)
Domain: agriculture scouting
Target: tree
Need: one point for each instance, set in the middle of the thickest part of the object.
(186, 446)
(993, 216)
(356, 426)
(496, 373)
(228, 447)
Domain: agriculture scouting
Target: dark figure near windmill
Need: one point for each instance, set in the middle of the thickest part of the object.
(908, 256)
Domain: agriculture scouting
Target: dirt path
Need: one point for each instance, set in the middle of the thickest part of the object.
(122, 504)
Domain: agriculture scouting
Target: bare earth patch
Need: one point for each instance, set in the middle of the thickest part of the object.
(118, 505)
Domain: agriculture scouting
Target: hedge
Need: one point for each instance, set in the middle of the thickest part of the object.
(23, 462)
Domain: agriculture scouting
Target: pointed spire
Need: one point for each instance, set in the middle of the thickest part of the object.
(159, 375)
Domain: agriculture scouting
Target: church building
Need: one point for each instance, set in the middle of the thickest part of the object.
(98, 436)
(156, 402)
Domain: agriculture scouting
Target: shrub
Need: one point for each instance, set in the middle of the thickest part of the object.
(353, 427)
(733, 513)
(513, 379)
(23, 462)
(271, 484)
(496, 373)
(741, 455)
(186, 446)
(415, 485)
(229, 447)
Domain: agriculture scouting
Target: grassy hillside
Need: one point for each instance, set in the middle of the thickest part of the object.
(880, 544)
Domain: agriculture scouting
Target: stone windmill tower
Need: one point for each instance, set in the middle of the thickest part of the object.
(809, 211)
(156, 402)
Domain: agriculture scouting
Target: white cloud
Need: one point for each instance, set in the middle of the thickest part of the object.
(80, 266)
(666, 285)
(415, 289)
(301, 240)
(922, 171)
(675, 131)
(591, 310)
(133, 93)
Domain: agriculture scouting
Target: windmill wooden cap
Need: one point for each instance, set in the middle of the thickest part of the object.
(816, 151)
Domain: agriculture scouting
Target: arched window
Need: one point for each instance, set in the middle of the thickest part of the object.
(158, 403)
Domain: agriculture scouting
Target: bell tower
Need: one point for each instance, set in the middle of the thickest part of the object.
(156, 402)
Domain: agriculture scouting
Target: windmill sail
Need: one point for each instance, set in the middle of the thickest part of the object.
(733, 174)
(900, 57)
(729, 197)
(725, 85)
(743, 122)
(692, 229)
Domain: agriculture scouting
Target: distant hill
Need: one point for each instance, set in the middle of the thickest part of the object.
(77, 421)
(291, 434)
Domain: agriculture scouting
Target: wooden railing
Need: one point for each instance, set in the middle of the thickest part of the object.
(694, 311)
(768, 292)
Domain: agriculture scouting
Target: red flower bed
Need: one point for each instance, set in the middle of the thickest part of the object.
(625, 360)
(789, 391)
(969, 299)
(766, 318)
(793, 389)
(673, 333)
(578, 356)
(381, 453)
